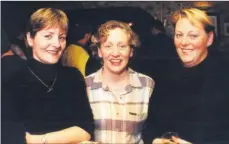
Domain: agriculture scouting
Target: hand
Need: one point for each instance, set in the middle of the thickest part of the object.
(167, 141)
(89, 142)
(180, 141)
(30, 139)
(162, 141)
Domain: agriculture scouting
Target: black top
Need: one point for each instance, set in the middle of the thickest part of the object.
(194, 102)
(27, 106)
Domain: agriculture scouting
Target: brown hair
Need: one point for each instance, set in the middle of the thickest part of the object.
(195, 16)
(47, 17)
(103, 33)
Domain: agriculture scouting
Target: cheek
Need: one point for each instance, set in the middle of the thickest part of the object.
(199, 44)
(177, 42)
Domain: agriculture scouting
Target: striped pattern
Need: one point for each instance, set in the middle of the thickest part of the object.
(119, 118)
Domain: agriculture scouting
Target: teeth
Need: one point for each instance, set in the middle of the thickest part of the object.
(187, 50)
(53, 52)
(115, 60)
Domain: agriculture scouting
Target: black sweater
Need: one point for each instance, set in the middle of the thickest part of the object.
(27, 106)
(194, 102)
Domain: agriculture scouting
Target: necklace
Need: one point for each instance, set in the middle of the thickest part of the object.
(49, 88)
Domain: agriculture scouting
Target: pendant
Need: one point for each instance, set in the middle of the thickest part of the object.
(50, 89)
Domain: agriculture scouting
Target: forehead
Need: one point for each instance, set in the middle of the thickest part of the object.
(54, 29)
(117, 34)
(184, 24)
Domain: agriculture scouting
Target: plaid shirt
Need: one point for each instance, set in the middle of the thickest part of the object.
(119, 118)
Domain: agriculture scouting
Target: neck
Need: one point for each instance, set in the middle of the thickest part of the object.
(44, 71)
(115, 80)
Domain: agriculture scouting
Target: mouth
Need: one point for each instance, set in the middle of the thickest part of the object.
(115, 62)
(53, 52)
(187, 51)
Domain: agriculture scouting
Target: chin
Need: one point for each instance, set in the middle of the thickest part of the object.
(52, 61)
(118, 71)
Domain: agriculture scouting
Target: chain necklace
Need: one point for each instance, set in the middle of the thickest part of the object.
(49, 88)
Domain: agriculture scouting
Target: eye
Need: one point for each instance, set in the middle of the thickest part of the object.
(123, 46)
(62, 38)
(193, 36)
(178, 35)
(48, 36)
(107, 46)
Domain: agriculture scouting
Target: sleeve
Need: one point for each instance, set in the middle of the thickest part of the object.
(86, 120)
(11, 65)
(150, 131)
(13, 130)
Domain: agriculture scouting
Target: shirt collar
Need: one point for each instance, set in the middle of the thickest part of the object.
(133, 77)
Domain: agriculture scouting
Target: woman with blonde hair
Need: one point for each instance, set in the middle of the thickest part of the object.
(45, 102)
(118, 95)
(191, 96)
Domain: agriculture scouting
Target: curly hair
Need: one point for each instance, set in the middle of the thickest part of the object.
(104, 29)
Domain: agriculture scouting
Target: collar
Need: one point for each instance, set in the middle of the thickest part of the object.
(133, 77)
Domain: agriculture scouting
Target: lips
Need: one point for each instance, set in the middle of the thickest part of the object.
(115, 61)
(52, 51)
(187, 51)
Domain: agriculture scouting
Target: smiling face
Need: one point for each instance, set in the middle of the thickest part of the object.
(191, 42)
(115, 51)
(48, 44)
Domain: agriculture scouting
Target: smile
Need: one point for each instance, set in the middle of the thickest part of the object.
(186, 51)
(52, 52)
(116, 61)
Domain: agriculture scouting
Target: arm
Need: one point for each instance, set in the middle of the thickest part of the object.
(80, 127)
(69, 136)
(13, 130)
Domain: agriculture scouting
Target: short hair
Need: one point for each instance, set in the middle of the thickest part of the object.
(47, 17)
(195, 16)
(104, 29)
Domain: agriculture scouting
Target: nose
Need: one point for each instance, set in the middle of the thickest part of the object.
(184, 41)
(115, 51)
(56, 42)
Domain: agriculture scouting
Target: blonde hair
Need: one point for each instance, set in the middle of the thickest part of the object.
(47, 17)
(195, 16)
(103, 33)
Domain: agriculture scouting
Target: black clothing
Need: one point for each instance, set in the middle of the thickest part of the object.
(27, 104)
(93, 64)
(162, 47)
(194, 102)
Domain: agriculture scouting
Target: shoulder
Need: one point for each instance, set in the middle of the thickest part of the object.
(71, 72)
(89, 79)
(13, 59)
(145, 80)
(220, 59)
(11, 66)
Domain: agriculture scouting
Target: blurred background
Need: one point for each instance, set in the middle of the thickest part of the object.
(140, 15)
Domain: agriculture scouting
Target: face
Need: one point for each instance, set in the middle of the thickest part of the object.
(48, 44)
(116, 51)
(191, 42)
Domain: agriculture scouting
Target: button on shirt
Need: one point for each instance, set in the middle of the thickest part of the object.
(119, 114)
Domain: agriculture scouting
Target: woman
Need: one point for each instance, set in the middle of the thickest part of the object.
(44, 102)
(118, 95)
(191, 95)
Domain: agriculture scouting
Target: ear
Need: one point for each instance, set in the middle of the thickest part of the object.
(99, 52)
(29, 39)
(210, 38)
(131, 52)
